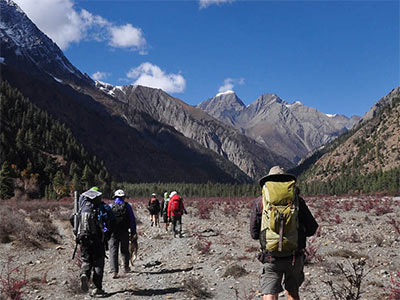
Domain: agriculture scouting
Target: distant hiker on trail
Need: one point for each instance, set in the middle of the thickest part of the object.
(154, 209)
(95, 224)
(175, 211)
(281, 221)
(164, 210)
(125, 231)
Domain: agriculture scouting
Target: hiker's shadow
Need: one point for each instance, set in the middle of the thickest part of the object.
(169, 271)
(146, 292)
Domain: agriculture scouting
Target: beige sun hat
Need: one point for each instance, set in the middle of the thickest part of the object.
(276, 173)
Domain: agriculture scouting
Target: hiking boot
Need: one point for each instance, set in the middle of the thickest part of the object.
(127, 270)
(98, 293)
(151, 224)
(84, 283)
(115, 275)
(180, 235)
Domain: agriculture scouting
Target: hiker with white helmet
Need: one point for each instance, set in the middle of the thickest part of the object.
(175, 211)
(281, 221)
(154, 209)
(125, 231)
(164, 210)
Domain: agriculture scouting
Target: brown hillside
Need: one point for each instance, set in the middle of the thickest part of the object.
(372, 146)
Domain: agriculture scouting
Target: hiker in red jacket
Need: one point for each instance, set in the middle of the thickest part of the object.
(175, 211)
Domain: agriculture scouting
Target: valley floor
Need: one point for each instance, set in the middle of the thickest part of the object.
(215, 258)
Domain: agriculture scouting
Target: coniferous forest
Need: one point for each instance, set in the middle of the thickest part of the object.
(39, 156)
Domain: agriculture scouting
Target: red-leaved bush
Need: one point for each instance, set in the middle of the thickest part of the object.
(394, 290)
(12, 280)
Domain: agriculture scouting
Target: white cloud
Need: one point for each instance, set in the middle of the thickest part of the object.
(151, 75)
(100, 75)
(229, 83)
(127, 36)
(65, 24)
(207, 3)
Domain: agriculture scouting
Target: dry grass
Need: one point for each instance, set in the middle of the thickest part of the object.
(196, 288)
(235, 271)
(30, 227)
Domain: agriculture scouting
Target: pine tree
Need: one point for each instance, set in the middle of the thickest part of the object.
(6, 181)
(59, 184)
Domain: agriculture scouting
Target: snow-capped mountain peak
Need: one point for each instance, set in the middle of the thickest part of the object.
(225, 93)
(24, 46)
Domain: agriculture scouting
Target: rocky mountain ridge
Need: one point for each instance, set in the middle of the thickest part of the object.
(24, 46)
(292, 130)
(251, 157)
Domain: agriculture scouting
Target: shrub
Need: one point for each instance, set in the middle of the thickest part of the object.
(235, 271)
(338, 219)
(350, 286)
(394, 290)
(396, 224)
(204, 208)
(11, 281)
(348, 205)
(203, 245)
(383, 208)
(252, 294)
(12, 225)
(366, 205)
(196, 288)
(311, 253)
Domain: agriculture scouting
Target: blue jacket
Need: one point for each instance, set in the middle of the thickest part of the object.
(132, 219)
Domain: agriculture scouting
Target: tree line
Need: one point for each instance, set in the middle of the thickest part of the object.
(190, 189)
(39, 156)
(354, 182)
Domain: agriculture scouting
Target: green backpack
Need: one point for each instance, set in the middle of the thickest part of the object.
(279, 221)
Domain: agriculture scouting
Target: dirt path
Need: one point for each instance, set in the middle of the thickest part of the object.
(215, 257)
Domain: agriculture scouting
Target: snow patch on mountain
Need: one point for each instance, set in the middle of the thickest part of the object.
(225, 93)
(293, 104)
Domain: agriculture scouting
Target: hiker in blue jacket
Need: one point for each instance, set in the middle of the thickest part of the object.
(125, 230)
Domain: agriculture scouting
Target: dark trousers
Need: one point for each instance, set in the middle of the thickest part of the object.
(119, 240)
(176, 224)
(93, 255)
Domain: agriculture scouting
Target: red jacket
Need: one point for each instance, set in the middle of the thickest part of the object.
(177, 203)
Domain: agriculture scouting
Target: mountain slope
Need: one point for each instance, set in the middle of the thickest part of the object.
(363, 158)
(25, 47)
(153, 154)
(32, 63)
(293, 130)
(251, 157)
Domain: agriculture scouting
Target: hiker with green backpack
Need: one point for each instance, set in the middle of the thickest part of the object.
(281, 221)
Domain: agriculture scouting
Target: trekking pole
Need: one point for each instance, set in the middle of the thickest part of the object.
(75, 221)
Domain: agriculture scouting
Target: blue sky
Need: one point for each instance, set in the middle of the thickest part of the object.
(337, 56)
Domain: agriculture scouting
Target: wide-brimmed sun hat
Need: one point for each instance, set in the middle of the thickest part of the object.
(276, 173)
